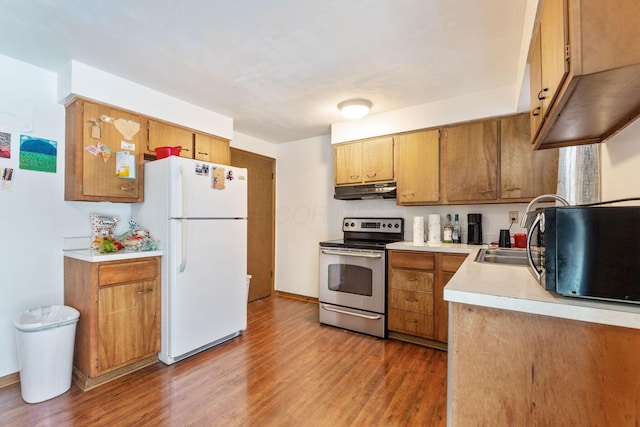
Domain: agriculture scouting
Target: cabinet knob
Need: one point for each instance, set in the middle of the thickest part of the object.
(408, 194)
(203, 153)
(145, 291)
(411, 320)
(536, 112)
(485, 191)
(371, 175)
(127, 188)
(411, 300)
(355, 176)
(412, 279)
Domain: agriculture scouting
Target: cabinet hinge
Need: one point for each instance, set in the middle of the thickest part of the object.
(271, 274)
(97, 364)
(567, 52)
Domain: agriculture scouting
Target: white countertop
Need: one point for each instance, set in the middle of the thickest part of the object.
(514, 288)
(91, 255)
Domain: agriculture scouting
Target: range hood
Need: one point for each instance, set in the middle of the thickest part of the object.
(385, 190)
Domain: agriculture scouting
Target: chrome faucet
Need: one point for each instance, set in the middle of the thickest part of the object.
(562, 200)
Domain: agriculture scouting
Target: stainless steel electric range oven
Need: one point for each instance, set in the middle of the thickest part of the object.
(352, 292)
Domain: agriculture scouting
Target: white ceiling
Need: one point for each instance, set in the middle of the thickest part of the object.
(278, 67)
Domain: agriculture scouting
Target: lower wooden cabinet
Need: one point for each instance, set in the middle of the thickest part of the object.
(417, 311)
(119, 326)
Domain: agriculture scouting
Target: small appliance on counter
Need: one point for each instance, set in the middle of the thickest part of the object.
(582, 253)
(474, 232)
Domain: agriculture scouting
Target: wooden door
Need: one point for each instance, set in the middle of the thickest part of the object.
(524, 174)
(166, 135)
(417, 159)
(128, 319)
(104, 175)
(470, 161)
(261, 223)
(347, 160)
(209, 148)
(377, 159)
(553, 42)
(535, 76)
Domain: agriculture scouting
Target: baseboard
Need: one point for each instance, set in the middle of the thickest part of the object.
(7, 380)
(417, 340)
(297, 297)
(87, 383)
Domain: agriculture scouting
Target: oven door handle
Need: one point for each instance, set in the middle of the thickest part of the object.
(337, 310)
(358, 254)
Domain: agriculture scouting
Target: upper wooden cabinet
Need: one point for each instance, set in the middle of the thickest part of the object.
(417, 161)
(195, 145)
(585, 70)
(167, 135)
(364, 161)
(103, 153)
(524, 174)
(209, 148)
(470, 162)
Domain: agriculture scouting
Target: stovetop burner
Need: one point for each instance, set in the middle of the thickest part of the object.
(368, 233)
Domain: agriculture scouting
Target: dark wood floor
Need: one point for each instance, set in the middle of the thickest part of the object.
(285, 370)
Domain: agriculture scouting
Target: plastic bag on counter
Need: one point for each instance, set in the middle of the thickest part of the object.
(136, 239)
(102, 228)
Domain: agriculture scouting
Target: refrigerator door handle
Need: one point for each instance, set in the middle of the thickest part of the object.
(183, 190)
(183, 245)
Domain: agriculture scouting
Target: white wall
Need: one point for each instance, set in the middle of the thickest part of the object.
(253, 145)
(621, 164)
(34, 216)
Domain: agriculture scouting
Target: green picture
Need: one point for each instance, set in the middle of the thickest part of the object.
(38, 154)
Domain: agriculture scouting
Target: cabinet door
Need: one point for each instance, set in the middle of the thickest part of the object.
(417, 157)
(553, 42)
(165, 135)
(128, 323)
(348, 163)
(377, 159)
(524, 174)
(116, 171)
(470, 162)
(535, 76)
(449, 264)
(209, 148)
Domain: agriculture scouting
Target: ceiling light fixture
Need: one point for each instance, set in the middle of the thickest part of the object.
(355, 108)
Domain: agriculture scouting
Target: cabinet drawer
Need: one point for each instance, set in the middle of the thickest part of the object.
(414, 280)
(452, 263)
(411, 323)
(423, 261)
(121, 272)
(411, 301)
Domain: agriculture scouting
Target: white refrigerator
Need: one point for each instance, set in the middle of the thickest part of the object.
(198, 212)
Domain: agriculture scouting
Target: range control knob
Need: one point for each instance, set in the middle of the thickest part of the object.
(353, 224)
(397, 225)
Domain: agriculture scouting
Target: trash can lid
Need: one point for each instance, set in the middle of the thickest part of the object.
(44, 317)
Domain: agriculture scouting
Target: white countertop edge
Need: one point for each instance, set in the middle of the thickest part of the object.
(455, 248)
(567, 310)
(90, 255)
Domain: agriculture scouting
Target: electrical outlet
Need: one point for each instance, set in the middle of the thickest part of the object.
(513, 217)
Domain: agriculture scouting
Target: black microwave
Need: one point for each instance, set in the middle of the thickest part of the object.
(587, 252)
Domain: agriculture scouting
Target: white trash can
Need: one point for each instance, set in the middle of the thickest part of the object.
(45, 337)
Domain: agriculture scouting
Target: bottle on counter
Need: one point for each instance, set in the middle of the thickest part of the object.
(447, 231)
(456, 233)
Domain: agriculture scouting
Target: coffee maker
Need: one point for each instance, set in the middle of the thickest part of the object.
(474, 234)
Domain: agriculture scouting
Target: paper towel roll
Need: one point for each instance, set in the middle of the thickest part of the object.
(434, 229)
(418, 230)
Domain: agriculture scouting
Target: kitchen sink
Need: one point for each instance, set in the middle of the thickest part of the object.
(507, 256)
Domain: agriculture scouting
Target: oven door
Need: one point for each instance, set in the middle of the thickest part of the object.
(353, 278)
